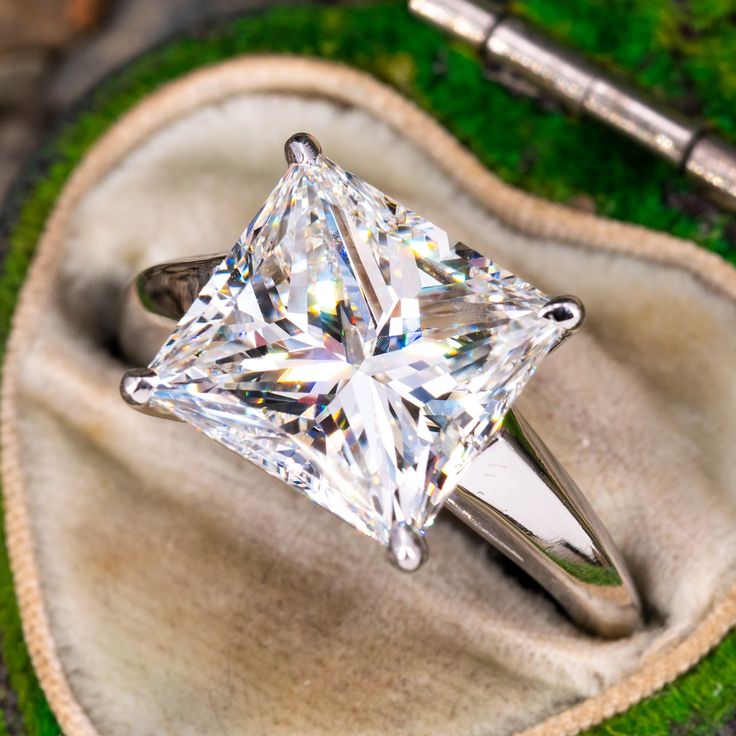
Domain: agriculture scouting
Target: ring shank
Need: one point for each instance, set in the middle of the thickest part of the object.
(518, 497)
(515, 495)
(157, 297)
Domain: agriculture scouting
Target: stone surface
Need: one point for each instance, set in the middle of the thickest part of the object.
(351, 349)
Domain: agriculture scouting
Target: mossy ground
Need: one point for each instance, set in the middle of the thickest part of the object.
(683, 50)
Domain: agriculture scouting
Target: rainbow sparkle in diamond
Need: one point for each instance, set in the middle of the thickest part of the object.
(348, 347)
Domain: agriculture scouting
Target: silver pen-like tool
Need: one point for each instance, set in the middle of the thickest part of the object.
(507, 40)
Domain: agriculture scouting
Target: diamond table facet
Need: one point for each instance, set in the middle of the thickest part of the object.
(349, 348)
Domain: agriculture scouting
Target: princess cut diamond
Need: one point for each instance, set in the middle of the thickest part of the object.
(348, 347)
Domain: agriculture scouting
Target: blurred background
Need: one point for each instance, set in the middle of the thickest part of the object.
(53, 51)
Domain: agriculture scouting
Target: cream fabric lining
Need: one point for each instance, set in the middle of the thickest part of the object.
(166, 587)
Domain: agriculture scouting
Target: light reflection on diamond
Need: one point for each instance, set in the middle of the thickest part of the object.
(348, 348)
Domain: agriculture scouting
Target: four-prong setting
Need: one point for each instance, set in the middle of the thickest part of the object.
(370, 389)
(567, 311)
(301, 148)
(236, 369)
(407, 547)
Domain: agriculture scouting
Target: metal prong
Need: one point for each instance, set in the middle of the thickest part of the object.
(301, 148)
(407, 548)
(137, 386)
(567, 311)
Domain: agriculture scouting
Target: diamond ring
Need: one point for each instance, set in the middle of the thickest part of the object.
(348, 347)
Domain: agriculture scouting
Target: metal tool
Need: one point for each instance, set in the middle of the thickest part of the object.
(507, 40)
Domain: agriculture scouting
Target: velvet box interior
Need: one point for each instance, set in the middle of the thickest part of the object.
(166, 587)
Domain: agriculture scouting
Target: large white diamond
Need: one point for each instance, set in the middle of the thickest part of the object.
(347, 347)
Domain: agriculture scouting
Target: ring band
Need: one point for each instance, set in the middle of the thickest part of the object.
(512, 492)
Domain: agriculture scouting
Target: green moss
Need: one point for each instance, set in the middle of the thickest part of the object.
(683, 50)
(698, 703)
(36, 714)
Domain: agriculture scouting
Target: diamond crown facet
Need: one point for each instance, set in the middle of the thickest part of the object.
(346, 346)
